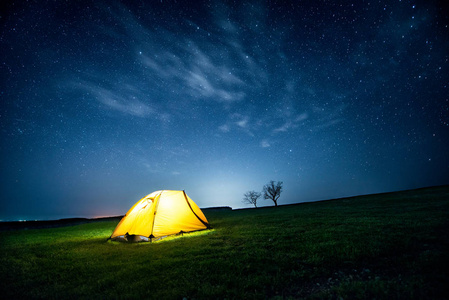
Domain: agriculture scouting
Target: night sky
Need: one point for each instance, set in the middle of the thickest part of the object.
(104, 102)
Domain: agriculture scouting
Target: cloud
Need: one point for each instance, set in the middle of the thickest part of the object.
(243, 122)
(201, 85)
(224, 128)
(114, 99)
(225, 65)
(302, 117)
(287, 125)
(240, 122)
(200, 65)
(291, 123)
(170, 72)
(264, 144)
(201, 74)
(327, 124)
(328, 118)
(127, 106)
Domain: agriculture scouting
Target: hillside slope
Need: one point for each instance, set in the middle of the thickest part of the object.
(382, 246)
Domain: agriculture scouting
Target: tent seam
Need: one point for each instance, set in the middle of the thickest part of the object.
(187, 200)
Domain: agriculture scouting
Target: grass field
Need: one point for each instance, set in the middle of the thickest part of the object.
(387, 246)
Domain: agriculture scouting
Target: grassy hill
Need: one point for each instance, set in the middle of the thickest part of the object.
(385, 246)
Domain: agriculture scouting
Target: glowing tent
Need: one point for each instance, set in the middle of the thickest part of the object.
(160, 214)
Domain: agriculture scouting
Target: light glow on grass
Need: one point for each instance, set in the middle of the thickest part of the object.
(169, 237)
(185, 235)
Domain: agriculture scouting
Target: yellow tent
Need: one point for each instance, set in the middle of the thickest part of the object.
(159, 214)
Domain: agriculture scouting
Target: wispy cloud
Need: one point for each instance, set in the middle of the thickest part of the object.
(291, 123)
(328, 117)
(327, 124)
(114, 99)
(224, 128)
(265, 144)
(240, 122)
(202, 74)
(216, 65)
(224, 65)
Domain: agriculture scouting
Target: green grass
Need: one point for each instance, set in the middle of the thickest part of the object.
(388, 246)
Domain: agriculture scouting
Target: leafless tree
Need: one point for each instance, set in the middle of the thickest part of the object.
(251, 197)
(272, 191)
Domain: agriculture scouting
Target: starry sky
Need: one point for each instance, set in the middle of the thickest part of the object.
(104, 102)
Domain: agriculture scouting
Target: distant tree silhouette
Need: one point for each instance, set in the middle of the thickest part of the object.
(251, 197)
(272, 191)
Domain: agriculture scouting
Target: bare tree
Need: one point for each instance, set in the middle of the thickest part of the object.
(251, 197)
(272, 191)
